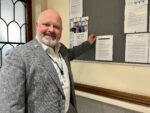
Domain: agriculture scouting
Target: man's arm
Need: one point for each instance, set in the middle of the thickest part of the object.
(12, 84)
(85, 46)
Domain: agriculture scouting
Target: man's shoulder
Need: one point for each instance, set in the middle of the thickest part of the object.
(29, 44)
(22, 49)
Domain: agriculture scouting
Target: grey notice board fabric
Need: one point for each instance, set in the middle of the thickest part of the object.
(106, 17)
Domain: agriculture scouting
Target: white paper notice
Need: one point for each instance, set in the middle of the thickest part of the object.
(136, 2)
(137, 47)
(135, 19)
(104, 47)
(78, 30)
(80, 38)
(76, 8)
(71, 39)
(149, 51)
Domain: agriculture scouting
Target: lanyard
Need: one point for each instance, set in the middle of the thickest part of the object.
(60, 68)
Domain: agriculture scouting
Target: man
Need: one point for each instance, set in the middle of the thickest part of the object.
(36, 77)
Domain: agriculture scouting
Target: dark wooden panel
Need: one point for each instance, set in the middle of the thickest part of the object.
(123, 96)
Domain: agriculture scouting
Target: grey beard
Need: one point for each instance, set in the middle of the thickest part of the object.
(53, 42)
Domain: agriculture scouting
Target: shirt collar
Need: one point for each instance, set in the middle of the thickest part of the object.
(48, 49)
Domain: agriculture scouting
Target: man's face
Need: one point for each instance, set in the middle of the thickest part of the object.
(49, 28)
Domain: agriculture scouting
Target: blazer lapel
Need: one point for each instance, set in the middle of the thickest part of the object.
(46, 63)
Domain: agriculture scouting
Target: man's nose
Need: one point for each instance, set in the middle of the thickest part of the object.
(51, 28)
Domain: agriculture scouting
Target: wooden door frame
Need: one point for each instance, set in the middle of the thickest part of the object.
(29, 20)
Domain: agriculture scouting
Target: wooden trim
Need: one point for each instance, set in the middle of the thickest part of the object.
(29, 20)
(123, 96)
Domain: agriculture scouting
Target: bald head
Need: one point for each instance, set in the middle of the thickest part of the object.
(50, 13)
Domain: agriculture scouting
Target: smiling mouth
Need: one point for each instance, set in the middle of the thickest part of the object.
(50, 35)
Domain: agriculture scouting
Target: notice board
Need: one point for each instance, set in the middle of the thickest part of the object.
(106, 17)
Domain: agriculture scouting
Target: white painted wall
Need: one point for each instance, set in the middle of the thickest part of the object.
(37, 7)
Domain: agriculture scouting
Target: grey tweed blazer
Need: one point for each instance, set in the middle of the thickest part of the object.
(29, 82)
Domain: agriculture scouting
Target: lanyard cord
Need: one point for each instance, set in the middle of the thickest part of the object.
(60, 68)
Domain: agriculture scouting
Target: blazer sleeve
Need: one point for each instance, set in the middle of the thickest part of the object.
(12, 84)
(78, 50)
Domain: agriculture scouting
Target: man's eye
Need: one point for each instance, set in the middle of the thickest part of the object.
(47, 25)
(56, 27)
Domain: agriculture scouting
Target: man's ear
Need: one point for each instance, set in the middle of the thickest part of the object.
(36, 23)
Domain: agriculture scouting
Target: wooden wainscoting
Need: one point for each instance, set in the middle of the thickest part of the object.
(123, 96)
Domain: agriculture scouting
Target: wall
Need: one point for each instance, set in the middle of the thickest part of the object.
(37, 7)
(122, 77)
(86, 105)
